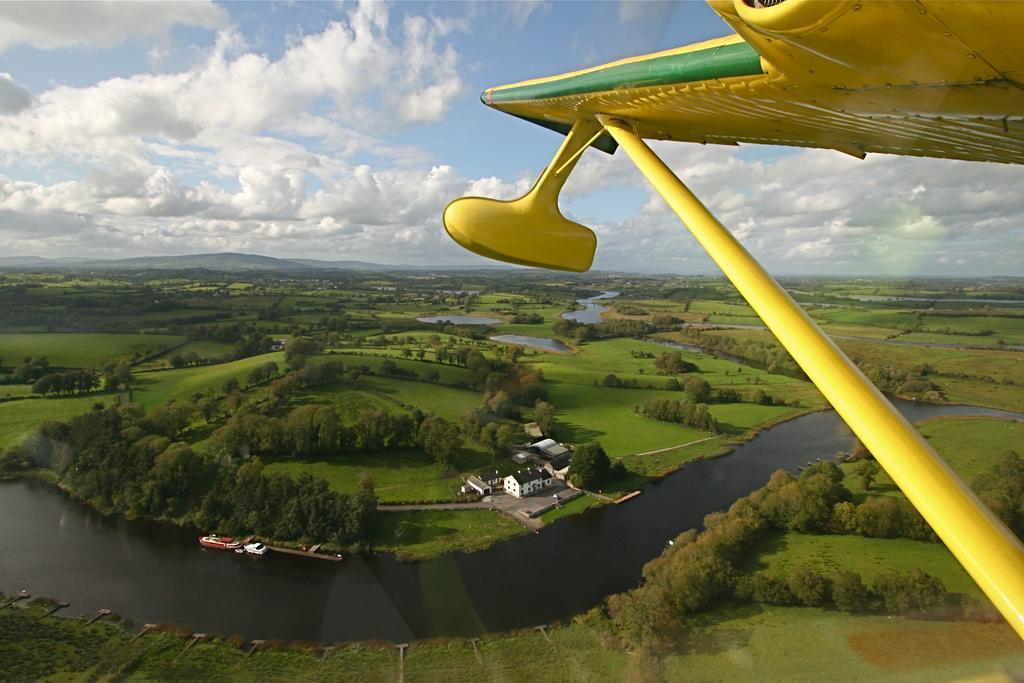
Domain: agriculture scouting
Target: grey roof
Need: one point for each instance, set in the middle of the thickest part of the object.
(474, 481)
(529, 475)
(490, 474)
(560, 462)
(549, 448)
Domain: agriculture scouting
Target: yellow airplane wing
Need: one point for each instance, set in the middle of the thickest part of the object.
(920, 78)
(926, 78)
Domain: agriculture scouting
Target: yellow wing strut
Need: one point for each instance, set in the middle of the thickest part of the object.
(992, 555)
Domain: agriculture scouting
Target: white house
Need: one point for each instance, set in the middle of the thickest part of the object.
(524, 483)
(485, 483)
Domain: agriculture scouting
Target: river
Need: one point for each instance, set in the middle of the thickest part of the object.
(591, 312)
(156, 573)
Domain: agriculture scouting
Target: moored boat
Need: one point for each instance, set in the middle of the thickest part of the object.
(256, 548)
(219, 542)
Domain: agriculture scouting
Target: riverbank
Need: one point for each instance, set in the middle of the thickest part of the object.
(739, 642)
(129, 566)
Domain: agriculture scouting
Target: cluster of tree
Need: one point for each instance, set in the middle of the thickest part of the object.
(117, 374)
(763, 398)
(187, 359)
(390, 368)
(302, 376)
(640, 354)
(314, 431)
(614, 381)
(700, 568)
(544, 416)
(302, 346)
(522, 383)
(767, 355)
(672, 363)
(906, 593)
(29, 370)
(1002, 489)
(229, 333)
(67, 383)
(606, 329)
(527, 319)
(630, 309)
(913, 381)
(591, 468)
(303, 509)
(263, 373)
(693, 415)
(116, 460)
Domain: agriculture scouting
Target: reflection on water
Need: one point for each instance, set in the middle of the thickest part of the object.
(157, 573)
(591, 312)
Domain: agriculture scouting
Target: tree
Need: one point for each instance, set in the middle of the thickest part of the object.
(763, 587)
(902, 593)
(590, 465)
(117, 375)
(500, 403)
(544, 416)
(672, 363)
(867, 470)
(849, 592)
(807, 585)
(439, 438)
(697, 390)
(1002, 489)
(171, 418)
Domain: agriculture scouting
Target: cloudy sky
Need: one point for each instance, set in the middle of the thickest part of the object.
(341, 130)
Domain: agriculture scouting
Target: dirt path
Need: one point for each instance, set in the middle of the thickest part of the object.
(412, 507)
(672, 448)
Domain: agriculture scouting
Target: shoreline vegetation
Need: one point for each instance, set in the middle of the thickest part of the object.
(328, 388)
(862, 647)
(781, 591)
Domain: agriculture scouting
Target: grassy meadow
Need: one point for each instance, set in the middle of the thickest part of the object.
(734, 643)
(77, 350)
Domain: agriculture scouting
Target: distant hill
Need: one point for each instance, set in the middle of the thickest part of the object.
(226, 261)
(222, 261)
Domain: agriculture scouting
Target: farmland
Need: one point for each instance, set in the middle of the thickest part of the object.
(223, 354)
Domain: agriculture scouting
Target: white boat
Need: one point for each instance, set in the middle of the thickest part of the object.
(256, 548)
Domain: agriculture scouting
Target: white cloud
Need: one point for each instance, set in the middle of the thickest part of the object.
(248, 93)
(55, 24)
(294, 154)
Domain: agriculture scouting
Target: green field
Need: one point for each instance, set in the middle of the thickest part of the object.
(781, 551)
(448, 402)
(735, 643)
(805, 644)
(971, 445)
(204, 348)
(399, 476)
(159, 386)
(427, 534)
(19, 418)
(81, 350)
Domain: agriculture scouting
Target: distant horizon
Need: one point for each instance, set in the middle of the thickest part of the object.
(72, 261)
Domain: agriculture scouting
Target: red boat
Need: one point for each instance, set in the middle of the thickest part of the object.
(219, 542)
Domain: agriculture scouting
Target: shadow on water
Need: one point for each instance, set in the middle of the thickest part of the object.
(156, 573)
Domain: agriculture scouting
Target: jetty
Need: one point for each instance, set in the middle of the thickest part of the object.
(312, 552)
